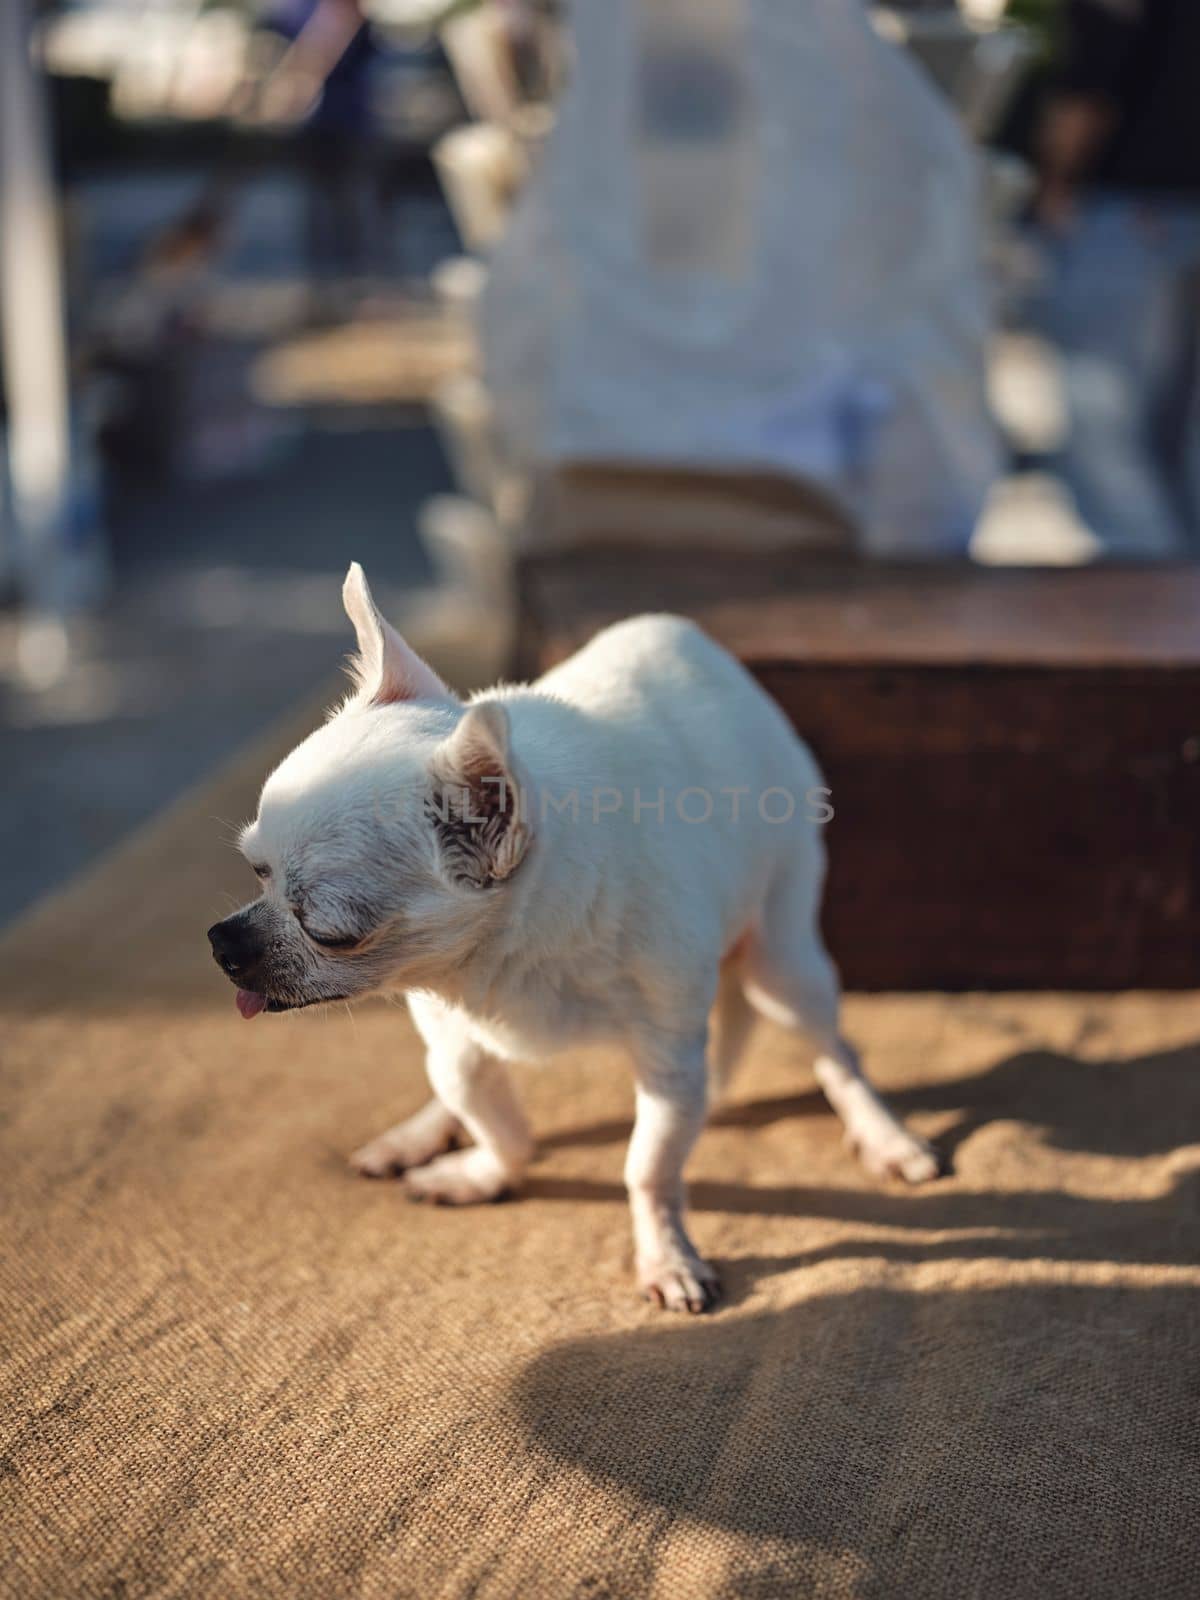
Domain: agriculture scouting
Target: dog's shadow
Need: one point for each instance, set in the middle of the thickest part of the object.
(1114, 1108)
(888, 1438)
(1029, 1438)
(1117, 1107)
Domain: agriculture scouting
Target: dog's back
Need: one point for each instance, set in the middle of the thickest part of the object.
(684, 707)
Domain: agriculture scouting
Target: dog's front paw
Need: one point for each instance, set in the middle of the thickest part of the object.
(897, 1153)
(680, 1282)
(463, 1178)
(408, 1144)
(380, 1158)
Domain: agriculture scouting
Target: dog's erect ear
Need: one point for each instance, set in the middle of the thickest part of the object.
(385, 669)
(476, 802)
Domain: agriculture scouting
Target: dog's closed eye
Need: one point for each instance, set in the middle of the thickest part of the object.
(334, 941)
(330, 941)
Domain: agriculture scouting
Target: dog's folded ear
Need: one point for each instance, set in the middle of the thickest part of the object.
(476, 799)
(385, 670)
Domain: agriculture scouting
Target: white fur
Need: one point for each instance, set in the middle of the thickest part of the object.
(544, 926)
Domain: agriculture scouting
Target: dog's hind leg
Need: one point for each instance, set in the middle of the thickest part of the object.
(670, 1113)
(791, 980)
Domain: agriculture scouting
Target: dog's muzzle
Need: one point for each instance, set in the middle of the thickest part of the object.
(242, 951)
(238, 950)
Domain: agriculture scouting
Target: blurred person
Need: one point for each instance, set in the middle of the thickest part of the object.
(1118, 208)
(325, 80)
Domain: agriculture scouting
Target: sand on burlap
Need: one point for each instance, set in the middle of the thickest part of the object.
(231, 1368)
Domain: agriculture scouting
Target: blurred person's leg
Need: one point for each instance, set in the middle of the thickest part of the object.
(317, 228)
(1177, 423)
(1109, 308)
(330, 222)
(366, 199)
(1189, 425)
(351, 207)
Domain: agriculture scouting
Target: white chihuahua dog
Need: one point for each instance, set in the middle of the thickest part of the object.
(614, 852)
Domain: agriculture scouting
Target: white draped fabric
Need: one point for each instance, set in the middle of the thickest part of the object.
(753, 241)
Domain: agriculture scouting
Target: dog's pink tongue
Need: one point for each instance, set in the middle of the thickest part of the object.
(250, 1004)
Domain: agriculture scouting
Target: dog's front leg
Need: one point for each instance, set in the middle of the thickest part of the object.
(475, 1089)
(670, 1114)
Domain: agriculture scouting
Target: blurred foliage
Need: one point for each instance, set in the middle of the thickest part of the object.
(1043, 18)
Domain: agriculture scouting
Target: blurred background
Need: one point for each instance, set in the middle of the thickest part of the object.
(285, 283)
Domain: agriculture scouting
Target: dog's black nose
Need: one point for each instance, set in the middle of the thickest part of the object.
(232, 947)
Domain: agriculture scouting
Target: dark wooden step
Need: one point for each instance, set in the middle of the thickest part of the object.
(1014, 755)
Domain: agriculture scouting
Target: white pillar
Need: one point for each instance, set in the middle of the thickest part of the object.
(33, 338)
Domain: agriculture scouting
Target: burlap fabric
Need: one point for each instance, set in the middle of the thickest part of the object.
(233, 1369)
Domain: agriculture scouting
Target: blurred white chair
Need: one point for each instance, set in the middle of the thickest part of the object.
(462, 414)
(481, 167)
(457, 283)
(470, 537)
(474, 601)
(480, 56)
(466, 547)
